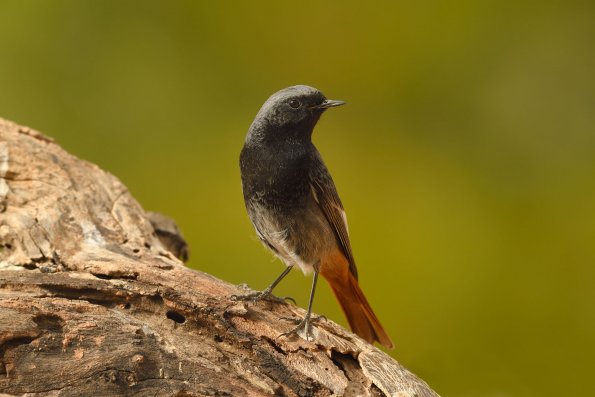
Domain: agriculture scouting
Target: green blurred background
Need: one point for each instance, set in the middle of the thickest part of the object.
(465, 158)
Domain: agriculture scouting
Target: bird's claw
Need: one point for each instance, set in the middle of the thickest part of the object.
(315, 319)
(288, 298)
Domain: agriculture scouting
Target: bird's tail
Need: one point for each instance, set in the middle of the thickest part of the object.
(360, 315)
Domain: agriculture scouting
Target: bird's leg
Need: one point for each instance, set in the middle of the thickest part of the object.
(264, 294)
(305, 325)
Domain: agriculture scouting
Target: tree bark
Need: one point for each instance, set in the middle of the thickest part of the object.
(92, 302)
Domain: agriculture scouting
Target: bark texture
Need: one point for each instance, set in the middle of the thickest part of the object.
(92, 302)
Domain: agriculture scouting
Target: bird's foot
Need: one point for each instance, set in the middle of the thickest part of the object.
(265, 294)
(303, 329)
(253, 297)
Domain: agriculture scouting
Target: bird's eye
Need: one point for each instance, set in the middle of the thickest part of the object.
(294, 103)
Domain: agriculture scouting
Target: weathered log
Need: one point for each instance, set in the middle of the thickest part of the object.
(93, 303)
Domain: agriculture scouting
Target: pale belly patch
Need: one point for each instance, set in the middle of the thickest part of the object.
(300, 240)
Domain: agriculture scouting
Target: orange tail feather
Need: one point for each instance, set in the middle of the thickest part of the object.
(360, 315)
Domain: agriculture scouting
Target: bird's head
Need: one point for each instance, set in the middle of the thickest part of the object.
(291, 114)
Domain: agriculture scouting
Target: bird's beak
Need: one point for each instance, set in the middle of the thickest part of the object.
(329, 103)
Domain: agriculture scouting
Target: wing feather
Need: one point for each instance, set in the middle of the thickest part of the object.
(325, 194)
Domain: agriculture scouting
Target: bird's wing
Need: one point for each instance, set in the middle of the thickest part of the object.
(326, 196)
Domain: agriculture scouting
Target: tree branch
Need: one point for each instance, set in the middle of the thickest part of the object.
(93, 303)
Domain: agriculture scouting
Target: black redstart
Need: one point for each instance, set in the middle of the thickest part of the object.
(294, 206)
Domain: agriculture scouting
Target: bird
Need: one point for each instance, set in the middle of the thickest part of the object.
(295, 209)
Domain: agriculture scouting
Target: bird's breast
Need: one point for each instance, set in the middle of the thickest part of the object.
(275, 178)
